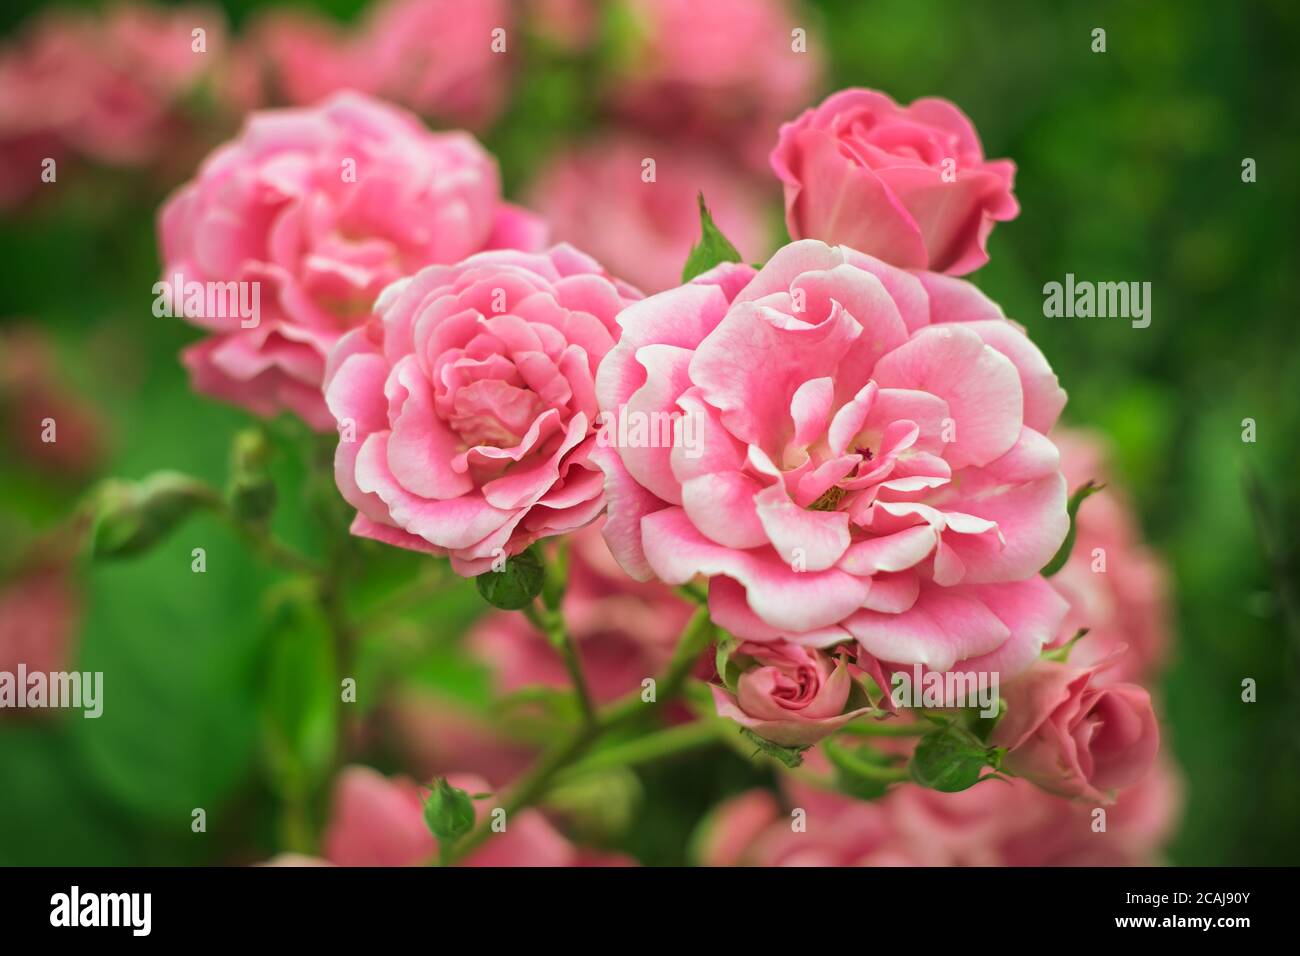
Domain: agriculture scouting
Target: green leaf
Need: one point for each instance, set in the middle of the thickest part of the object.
(131, 517)
(1062, 654)
(864, 772)
(952, 759)
(712, 248)
(792, 757)
(449, 811)
(1084, 491)
(300, 698)
(516, 585)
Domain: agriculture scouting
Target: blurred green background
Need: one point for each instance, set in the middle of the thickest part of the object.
(1129, 169)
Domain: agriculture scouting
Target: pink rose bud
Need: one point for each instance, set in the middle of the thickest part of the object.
(467, 409)
(1073, 737)
(907, 184)
(793, 695)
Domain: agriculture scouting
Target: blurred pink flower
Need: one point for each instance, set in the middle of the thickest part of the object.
(625, 630)
(379, 821)
(595, 197)
(909, 185)
(33, 392)
(437, 56)
(434, 57)
(869, 464)
(993, 824)
(725, 72)
(112, 87)
(473, 400)
(307, 56)
(1115, 585)
(1073, 735)
(39, 615)
(317, 210)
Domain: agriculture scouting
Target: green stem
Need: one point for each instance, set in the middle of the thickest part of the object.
(551, 623)
(696, 636)
(888, 728)
(663, 743)
(694, 593)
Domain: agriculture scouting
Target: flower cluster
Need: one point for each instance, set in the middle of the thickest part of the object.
(846, 454)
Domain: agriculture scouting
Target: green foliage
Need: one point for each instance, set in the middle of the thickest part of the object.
(712, 248)
(1081, 494)
(515, 586)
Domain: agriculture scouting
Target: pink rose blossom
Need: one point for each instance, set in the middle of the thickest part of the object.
(994, 824)
(624, 630)
(39, 615)
(725, 72)
(437, 57)
(378, 821)
(110, 87)
(595, 197)
(473, 400)
(907, 184)
(434, 57)
(870, 465)
(308, 56)
(322, 208)
(791, 695)
(34, 389)
(1074, 736)
(1115, 585)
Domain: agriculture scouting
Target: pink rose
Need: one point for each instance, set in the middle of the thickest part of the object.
(595, 197)
(437, 56)
(1115, 585)
(908, 184)
(432, 56)
(724, 72)
(377, 821)
(624, 630)
(34, 388)
(790, 695)
(473, 400)
(858, 454)
(40, 611)
(109, 86)
(309, 56)
(995, 824)
(1075, 737)
(321, 208)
